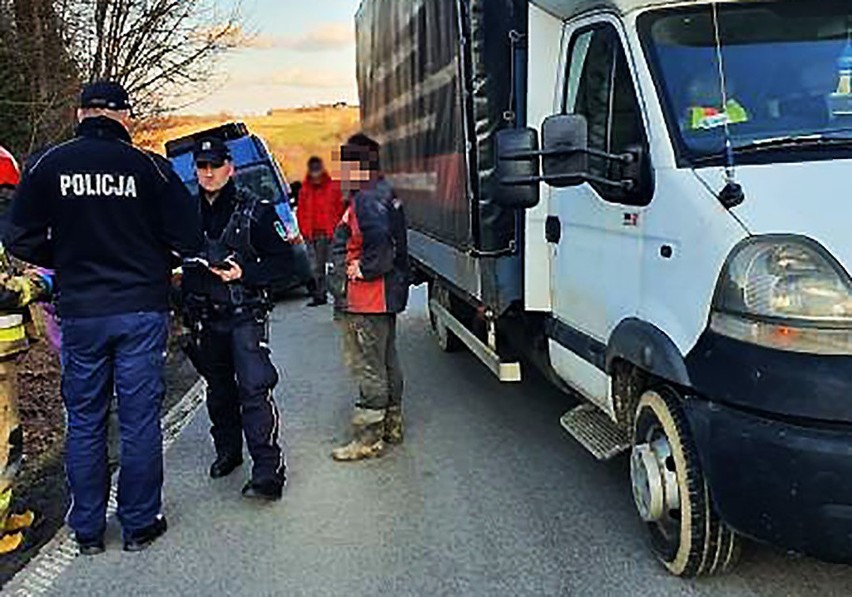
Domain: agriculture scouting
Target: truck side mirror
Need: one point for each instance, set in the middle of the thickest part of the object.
(566, 145)
(636, 170)
(566, 158)
(518, 182)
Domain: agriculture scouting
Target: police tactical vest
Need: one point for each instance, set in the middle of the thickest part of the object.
(236, 237)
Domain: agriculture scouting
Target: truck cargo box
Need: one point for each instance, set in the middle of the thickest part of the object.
(437, 79)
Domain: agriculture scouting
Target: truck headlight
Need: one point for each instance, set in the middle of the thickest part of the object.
(786, 293)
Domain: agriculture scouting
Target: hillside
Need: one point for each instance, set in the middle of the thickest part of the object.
(293, 135)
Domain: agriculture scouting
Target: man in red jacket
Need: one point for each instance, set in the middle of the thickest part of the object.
(320, 209)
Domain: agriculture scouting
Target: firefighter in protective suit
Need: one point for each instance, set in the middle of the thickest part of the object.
(18, 327)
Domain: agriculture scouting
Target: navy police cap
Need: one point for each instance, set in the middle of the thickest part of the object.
(211, 149)
(105, 95)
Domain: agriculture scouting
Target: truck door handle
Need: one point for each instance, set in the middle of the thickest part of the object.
(553, 230)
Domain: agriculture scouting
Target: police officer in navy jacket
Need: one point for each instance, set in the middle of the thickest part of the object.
(227, 305)
(108, 217)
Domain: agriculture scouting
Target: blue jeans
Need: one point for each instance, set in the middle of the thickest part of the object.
(124, 354)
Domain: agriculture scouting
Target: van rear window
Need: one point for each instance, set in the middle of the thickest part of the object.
(261, 180)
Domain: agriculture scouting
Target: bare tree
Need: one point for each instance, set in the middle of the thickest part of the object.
(37, 76)
(163, 51)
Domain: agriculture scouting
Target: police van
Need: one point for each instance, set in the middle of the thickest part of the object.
(257, 170)
(648, 199)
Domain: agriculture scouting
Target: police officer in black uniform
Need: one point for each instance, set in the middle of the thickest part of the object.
(108, 217)
(227, 307)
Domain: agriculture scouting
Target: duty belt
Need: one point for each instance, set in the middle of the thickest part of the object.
(242, 301)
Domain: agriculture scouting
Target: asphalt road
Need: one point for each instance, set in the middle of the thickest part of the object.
(488, 496)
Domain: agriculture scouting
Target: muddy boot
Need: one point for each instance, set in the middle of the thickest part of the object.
(394, 429)
(369, 426)
(20, 522)
(11, 542)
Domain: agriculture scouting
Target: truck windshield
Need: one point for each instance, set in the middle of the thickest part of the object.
(787, 69)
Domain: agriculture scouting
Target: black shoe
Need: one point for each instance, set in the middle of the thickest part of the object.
(90, 546)
(143, 538)
(318, 302)
(224, 466)
(269, 491)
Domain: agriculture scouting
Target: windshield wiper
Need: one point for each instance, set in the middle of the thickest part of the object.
(817, 140)
(776, 143)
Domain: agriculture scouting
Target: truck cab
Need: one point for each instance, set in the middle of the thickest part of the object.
(677, 175)
(696, 261)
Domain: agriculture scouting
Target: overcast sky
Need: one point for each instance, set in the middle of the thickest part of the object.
(303, 54)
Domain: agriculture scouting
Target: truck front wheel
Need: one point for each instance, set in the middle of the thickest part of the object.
(671, 493)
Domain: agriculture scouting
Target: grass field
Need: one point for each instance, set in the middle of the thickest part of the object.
(292, 135)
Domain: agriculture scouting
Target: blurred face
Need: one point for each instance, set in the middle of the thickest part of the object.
(354, 176)
(212, 175)
(315, 171)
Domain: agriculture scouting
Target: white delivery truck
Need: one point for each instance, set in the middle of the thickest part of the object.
(649, 200)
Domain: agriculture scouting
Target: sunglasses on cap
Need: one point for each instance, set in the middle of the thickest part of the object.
(214, 164)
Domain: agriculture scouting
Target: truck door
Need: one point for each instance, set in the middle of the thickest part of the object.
(594, 230)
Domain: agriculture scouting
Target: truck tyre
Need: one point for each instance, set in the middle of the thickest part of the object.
(447, 341)
(729, 550)
(671, 493)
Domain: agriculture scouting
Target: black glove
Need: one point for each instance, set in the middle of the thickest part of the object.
(9, 299)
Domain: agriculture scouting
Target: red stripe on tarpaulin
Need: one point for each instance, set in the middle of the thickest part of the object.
(450, 171)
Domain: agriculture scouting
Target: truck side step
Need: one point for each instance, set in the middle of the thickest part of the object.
(505, 372)
(595, 431)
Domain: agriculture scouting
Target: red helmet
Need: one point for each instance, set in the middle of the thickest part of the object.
(10, 174)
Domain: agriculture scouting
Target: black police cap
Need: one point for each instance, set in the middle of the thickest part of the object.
(211, 149)
(105, 95)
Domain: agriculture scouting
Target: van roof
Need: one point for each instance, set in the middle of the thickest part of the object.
(227, 132)
(568, 9)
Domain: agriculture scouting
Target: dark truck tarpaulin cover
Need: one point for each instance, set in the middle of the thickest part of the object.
(416, 60)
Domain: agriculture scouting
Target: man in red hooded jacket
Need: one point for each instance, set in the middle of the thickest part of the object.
(320, 209)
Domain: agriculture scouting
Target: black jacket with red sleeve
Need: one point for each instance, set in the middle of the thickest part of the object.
(372, 234)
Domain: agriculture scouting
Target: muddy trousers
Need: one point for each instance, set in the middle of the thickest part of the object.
(369, 346)
(125, 354)
(240, 382)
